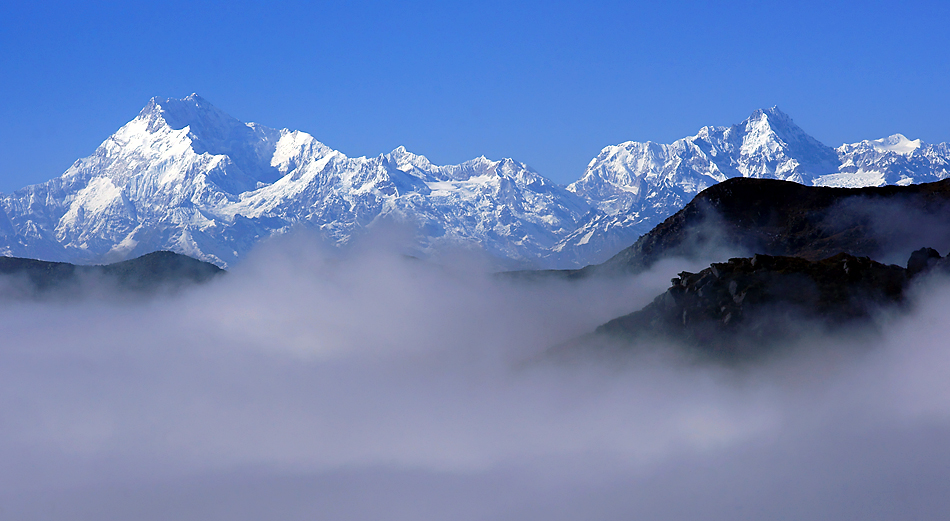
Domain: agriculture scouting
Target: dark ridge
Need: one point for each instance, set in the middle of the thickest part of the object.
(160, 268)
(780, 218)
(148, 273)
(41, 275)
(747, 307)
(788, 219)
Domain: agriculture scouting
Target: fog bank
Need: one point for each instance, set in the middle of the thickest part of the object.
(367, 385)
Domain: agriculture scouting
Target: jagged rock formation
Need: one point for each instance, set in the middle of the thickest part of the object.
(743, 307)
(21, 278)
(747, 309)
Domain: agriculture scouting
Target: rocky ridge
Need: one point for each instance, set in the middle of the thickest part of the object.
(748, 308)
(738, 308)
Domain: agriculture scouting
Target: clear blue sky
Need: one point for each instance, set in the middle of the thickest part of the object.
(547, 83)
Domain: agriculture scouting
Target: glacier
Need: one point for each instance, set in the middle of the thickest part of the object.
(187, 177)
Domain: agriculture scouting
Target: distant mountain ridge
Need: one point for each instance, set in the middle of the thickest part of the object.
(635, 186)
(185, 176)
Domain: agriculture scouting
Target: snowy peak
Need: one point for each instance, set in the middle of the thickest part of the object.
(775, 117)
(896, 143)
(768, 127)
(206, 124)
(191, 111)
(782, 128)
(408, 162)
(891, 160)
(767, 144)
(212, 131)
(774, 146)
(634, 186)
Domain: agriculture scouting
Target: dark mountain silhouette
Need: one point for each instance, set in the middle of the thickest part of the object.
(814, 259)
(774, 217)
(746, 308)
(780, 218)
(148, 273)
(743, 216)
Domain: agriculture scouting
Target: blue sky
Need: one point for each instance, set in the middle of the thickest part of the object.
(547, 83)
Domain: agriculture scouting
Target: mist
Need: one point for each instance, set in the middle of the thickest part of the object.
(311, 383)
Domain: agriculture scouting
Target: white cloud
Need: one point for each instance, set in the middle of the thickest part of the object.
(309, 384)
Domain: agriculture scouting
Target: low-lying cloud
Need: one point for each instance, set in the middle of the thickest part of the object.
(309, 384)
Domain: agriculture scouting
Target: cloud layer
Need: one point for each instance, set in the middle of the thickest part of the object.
(368, 385)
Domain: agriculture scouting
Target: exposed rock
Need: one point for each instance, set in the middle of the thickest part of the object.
(745, 307)
(922, 260)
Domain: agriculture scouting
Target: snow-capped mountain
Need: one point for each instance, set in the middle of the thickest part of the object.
(185, 176)
(635, 186)
(894, 160)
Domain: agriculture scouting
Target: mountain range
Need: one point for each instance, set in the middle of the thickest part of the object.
(186, 177)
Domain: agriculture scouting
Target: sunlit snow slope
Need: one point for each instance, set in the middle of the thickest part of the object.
(186, 177)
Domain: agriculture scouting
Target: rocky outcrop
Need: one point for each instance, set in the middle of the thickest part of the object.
(746, 307)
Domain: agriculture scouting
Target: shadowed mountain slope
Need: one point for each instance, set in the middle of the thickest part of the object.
(151, 272)
(737, 308)
(747, 308)
(744, 216)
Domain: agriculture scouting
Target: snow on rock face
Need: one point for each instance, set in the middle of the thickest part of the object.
(896, 143)
(891, 160)
(635, 186)
(187, 177)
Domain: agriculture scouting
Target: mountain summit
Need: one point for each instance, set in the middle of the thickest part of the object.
(185, 176)
(634, 186)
